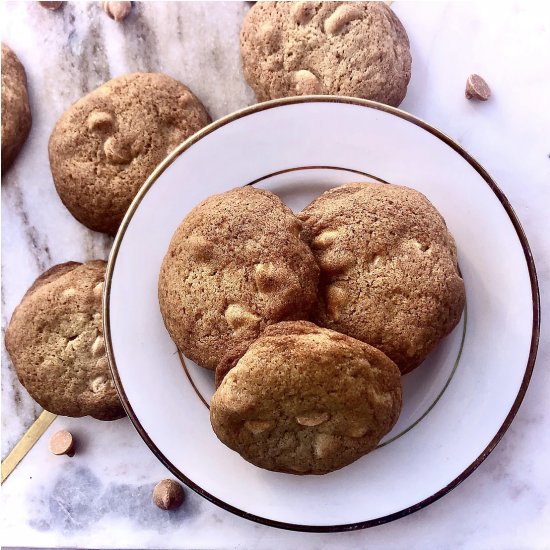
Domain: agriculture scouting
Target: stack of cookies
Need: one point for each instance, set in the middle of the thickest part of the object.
(310, 320)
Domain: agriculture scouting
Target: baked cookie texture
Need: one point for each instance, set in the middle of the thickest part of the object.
(236, 264)
(105, 145)
(306, 400)
(16, 111)
(55, 341)
(389, 273)
(355, 49)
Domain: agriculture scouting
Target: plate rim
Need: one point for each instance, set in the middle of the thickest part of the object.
(535, 334)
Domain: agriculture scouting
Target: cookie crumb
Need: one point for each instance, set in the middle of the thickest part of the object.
(62, 443)
(477, 88)
(168, 494)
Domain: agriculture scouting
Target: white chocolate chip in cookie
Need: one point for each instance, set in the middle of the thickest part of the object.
(68, 292)
(375, 261)
(98, 384)
(296, 227)
(100, 121)
(324, 239)
(324, 445)
(312, 419)
(269, 37)
(357, 428)
(336, 261)
(302, 12)
(98, 347)
(258, 426)
(336, 300)
(416, 244)
(238, 317)
(343, 14)
(117, 150)
(102, 364)
(200, 248)
(98, 290)
(268, 277)
(306, 83)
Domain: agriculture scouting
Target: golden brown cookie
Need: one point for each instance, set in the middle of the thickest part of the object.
(105, 145)
(55, 341)
(16, 112)
(236, 264)
(389, 273)
(306, 400)
(355, 49)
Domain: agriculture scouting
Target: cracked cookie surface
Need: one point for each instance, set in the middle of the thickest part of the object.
(55, 341)
(306, 400)
(389, 273)
(236, 264)
(105, 145)
(355, 49)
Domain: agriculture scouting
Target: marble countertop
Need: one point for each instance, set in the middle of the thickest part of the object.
(101, 497)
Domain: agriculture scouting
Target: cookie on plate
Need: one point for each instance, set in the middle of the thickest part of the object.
(236, 264)
(55, 341)
(306, 400)
(105, 145)
(355, 49)
(16, 112)
(389, 273)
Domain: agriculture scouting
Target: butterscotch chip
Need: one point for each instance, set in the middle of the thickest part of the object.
(98, 347)
(105, 145)
(16, 112)
(258, 426)
(55, 343)
(345, 48)
(168, 494)
(117, 10)
(98, 290)
(312, 419)
(389, 274)
(306, 400)
(61, 443)
(477, 88)
(236, 264)
(51, 5)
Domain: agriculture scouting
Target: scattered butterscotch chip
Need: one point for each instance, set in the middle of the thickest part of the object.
(62, 443)
(168, 494)
(117, 10)
(477, 88)
(51, 5)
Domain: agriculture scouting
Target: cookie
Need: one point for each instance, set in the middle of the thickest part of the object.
(355, 49)
(55, 341)
(389, 273)
(306, 400)
(16, 112)
(105, 145)
(236, 264)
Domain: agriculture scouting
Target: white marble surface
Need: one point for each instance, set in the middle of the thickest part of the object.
(100, 498)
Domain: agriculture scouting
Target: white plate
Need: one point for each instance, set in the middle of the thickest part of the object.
(456, 406)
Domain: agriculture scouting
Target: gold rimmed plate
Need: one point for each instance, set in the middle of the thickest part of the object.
(457, 405)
